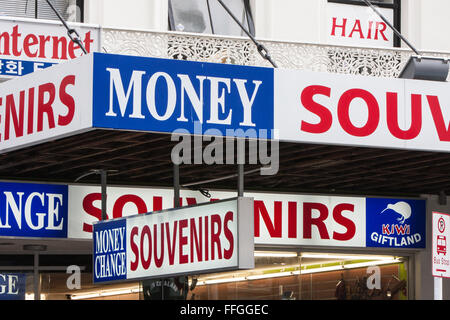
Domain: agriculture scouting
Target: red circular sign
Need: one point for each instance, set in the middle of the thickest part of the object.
(441, 225)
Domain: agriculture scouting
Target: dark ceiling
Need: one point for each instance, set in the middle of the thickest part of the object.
(144, 159)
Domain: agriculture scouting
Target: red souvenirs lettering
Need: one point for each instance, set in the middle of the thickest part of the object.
(313, 215)
(199, 239)
(22, 106)
(372, 123)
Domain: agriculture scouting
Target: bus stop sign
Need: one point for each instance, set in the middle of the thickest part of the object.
(441, 238)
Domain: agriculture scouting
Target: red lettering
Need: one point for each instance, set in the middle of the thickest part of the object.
(196, 238)
(15, 35)
(326, 118)
(56, 42)
(191, 201)
(29, 41)
(157, 203)
(158, 260)
(392, 116)
(134, 248)
(344, 112)
(5, 46)
(436, 111)
(369, 33)
(228, 253)
(343, 221)
(274, 228)
(292, 219)
(128, 198)
(33, 45)
(30, 110)
(381, 30)
(357, 28)
(402, 229)
(67, 100)
(385, 229)
(183, 240)
(90, 209)
(10, 111)
(206, 237)
(335, 25)
(46, 107)
(308, 220)
(145, 261)
(171, 242)
(42, 41)
(215, 236)
(88, 41)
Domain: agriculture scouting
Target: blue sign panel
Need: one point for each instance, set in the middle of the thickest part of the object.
(11, 67)
(110, 247)
(12, 286)
(395, 223)
(33, 210)
(162, 95)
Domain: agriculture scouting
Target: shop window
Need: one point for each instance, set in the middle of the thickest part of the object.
(361, 26)
(207, 16)
(70, 10)
(310, 276)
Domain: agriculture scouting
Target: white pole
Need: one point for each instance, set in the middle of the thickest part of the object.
(437, 288)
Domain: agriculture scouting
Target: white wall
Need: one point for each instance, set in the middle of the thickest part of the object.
(425, 23)
(428, 24)
(132, 14)
(289, 20)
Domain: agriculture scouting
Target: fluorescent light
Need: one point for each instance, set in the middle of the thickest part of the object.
(322, 269)
(85, 296)
(344, 257)
(370, 263)
(30, 296)
(97, 294)
(275, 254)
(387, 260)
(224, 280)
(269, 275)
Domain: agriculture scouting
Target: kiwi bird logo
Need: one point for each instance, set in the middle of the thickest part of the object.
(402, 208)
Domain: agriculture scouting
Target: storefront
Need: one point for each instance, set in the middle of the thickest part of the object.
(357, 251)
(111, 111)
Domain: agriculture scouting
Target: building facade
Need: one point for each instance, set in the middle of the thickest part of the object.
(307, 243)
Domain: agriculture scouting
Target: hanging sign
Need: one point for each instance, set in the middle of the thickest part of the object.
(205, 238)
(12, 286)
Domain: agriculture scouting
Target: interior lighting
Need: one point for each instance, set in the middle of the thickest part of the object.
(298, 272)
(275, 254)
(344, 257)
(98, 294)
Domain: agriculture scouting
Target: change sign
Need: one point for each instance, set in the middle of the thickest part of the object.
(204, 238)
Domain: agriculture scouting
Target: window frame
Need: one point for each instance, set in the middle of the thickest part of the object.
(248, 13)
(396, 6)
(78, 3)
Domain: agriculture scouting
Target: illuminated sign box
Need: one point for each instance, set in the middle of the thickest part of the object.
(119, 92)
(33, 210)
(280, 219)
(205, 238)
